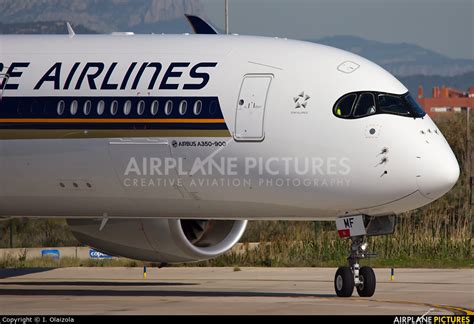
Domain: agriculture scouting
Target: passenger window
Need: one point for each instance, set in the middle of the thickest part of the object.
(74, 107)
(100, 107)
(61, 106)
(87, 107)
(183, 107)
(344, 106)
(114, 107)
(213, 107)
(127, 107)
(141, 107)
(36, 107)
(393, 105)
(168, 107)
(154, 107)
(197, 107)
(365, 105)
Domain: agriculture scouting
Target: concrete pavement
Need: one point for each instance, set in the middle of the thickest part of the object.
(225, 291)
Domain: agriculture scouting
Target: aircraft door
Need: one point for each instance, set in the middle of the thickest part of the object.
(3, 83)
(249, 119)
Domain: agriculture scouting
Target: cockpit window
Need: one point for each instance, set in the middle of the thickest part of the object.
(361, 104)
(344, 106)
(365, 105)
(393, 104)
(415, 107)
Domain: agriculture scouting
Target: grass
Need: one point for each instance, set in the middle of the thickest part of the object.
(320, 253)
(9, 261)
(249, 260)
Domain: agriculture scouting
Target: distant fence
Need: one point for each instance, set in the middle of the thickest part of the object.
(83, 253)
(78, 252)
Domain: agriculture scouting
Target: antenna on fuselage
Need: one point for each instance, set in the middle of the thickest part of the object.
(70, 31)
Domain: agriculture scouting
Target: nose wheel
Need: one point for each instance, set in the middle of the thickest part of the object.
(344, 282)
(367, 282)
(353, 276)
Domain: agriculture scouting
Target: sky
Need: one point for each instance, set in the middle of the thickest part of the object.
(443, 26)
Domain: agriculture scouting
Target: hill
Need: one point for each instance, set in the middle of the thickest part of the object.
(99, 15)
(42, 27)
(401, 59)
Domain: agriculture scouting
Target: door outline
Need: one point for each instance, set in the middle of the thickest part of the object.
(252, 75)
(3, 83)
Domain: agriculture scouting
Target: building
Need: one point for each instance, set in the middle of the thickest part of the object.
(446, 100)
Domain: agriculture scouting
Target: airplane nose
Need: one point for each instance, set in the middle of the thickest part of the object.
(438, 172)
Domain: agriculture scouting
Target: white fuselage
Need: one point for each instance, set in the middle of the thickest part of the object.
(282, 161)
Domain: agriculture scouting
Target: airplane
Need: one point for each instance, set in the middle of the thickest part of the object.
(161, 147)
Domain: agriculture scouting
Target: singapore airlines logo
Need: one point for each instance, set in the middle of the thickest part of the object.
(301, 103)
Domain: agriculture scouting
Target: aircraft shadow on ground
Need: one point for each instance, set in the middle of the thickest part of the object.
(94, 283)
(153, 293)
(8, 273)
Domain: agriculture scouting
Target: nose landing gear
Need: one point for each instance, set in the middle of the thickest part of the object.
(353, 276)
(357, 228)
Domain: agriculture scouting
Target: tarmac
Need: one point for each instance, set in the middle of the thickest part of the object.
(185, 290)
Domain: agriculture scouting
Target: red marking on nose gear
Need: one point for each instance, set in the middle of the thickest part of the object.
(344, 233)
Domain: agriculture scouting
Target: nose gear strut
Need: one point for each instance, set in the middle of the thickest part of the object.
(363, 278)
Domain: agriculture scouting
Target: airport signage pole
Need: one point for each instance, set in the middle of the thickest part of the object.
(11, 234)
(469, 156)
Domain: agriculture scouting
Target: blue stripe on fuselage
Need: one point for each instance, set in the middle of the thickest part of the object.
(47, 108)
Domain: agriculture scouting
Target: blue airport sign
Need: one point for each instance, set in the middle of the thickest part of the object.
(94, 254)
(50, 253)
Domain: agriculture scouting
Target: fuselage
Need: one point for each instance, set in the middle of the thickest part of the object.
(113, 125)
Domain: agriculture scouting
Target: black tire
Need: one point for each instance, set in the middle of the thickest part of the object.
(368, 282)
(344, 282)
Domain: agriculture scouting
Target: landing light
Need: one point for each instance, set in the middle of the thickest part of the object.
(363, 247)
